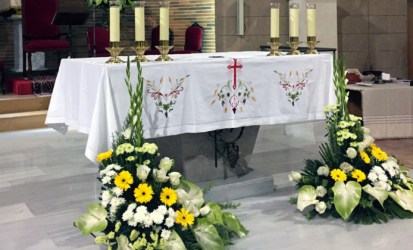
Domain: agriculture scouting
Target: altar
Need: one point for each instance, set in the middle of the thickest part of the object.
(188, 98)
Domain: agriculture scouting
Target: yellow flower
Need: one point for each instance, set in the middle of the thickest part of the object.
(123, 180)
(104, 156)
(338, 175)
(184, 217)
(379, 154)
(359, 175)
(365, 157)
(143, 193)
(372, 146)
(168, 196)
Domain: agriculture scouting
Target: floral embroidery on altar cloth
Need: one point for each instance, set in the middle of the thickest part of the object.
(293, 83)
(165, 101)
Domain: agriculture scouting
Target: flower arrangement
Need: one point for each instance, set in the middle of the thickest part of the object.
(145, 204)
(355, 178)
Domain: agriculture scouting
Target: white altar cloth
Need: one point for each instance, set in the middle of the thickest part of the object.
(192, 94)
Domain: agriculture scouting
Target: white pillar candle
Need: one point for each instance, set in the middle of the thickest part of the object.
(311, 19)
(140, 21)
(294, 19)
(275, 20)
(164, 21)
(114, 22)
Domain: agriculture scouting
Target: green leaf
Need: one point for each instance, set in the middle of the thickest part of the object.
(195, 194)
(377, 192)
(93, 221)
(215, 216)
(175, 242)
(403, 198)
(98, 2)
(123, 242)
(207, 235)
(404, 170)
(89, 3)
(306, 197)
(346, 197)
(232, 221)
(324, 182)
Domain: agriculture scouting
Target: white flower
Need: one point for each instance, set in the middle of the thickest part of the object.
(127, 133)
(135, 119)
(142, 172)
(113, 209)
(368, 140)
(162, 209)
(294, 176)
(105, 202)
(403, 178)
(372, 176)
(142, 209)
(165, 234)
(117, 191)
(205, 210)
(383, 178)
(132, 206)
(378, 170)
(346, 167)
(169, 222)
(106, 179)
(174, 178)
(321, 207)
(392, 172)
(182, 196)
(321, 191)
(117, 167)
(151, 151)
(192, 208)
(103, 172)
(132, 222)
(323, 171)
(145, 147)
(106, 196)
(111, 173)
(147, 221)
(351, 153)
(172, 213)
(383, 185)
(160, 175)
(366, 131)
(139, 217)
(117, 201)
(127, 215)
(166, 164)
(156, 217)
(362, 146)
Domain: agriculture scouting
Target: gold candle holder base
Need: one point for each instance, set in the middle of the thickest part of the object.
(140, 49)
(274, 44)
(164, 48)
(312, 43)
(114, 51)
(294, 45)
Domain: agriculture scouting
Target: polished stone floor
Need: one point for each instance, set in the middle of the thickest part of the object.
(46, 183)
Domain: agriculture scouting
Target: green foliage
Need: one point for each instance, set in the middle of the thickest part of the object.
(229, 205)
(293, 200)
(310, 215)
(208, 187)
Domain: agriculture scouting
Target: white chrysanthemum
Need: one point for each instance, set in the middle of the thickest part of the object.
(127, 215)
(392, 172)
(142, 209)
(117, 191)
(117, 201)
(323, 171)
(172, 213)
(132, 222)
(156, 217)
(106, 196)
(117, 167)
(111, 173)
(321, 207)
(106, 179)
(139, 217)
(113, 209)
(105, 202)
(147, 222)
(165, 234)
(346, 167)
(378, 170)
(321, 191)
(162, 209)
(403, 178)
(132, 206)
(383, 178)
(103, 172)
(169, 222)
(372, 176)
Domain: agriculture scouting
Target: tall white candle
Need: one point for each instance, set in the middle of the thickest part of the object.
(114, 22)
(275, 20)
(311, 19)
(139, 23)
(164, 23)
(294, 20)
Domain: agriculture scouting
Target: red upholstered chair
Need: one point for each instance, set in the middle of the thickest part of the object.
(39, 34)
(193, 40)
(155, 41)
(102, 41)
(2, 77)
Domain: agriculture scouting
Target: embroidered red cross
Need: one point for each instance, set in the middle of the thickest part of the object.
(235, 67)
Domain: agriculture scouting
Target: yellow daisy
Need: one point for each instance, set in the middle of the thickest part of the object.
(365, 157)
(359, 175)
(184, 217)
(123, 180)
(143, 193)
(104, 156)
(379, 154)
(168, 196)
(338, 175)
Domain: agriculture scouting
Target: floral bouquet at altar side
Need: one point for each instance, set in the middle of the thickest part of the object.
(145, 204)
(355, 178)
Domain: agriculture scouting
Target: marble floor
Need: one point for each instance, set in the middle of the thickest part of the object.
(46, 183)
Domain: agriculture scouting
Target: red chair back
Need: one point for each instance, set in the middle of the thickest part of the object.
(102, 39)
(37, 17)
(155, 38)
(193, 38)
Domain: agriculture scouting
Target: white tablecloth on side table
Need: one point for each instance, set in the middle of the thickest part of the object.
(92, 96)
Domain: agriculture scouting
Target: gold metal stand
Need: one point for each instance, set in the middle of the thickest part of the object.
(114, 51)
(312, 43)
(294, 45)
(275, 44)
(164, 48)
(140, 49)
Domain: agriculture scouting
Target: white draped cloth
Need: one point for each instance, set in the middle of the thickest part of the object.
(193, 94)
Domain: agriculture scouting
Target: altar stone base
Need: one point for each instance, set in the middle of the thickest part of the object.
(194, 154)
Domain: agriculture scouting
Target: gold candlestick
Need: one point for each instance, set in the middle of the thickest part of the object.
(164, 48)
(114, 51)
(294, 45)
(140, 49)
(275, 44)
(312, 43)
